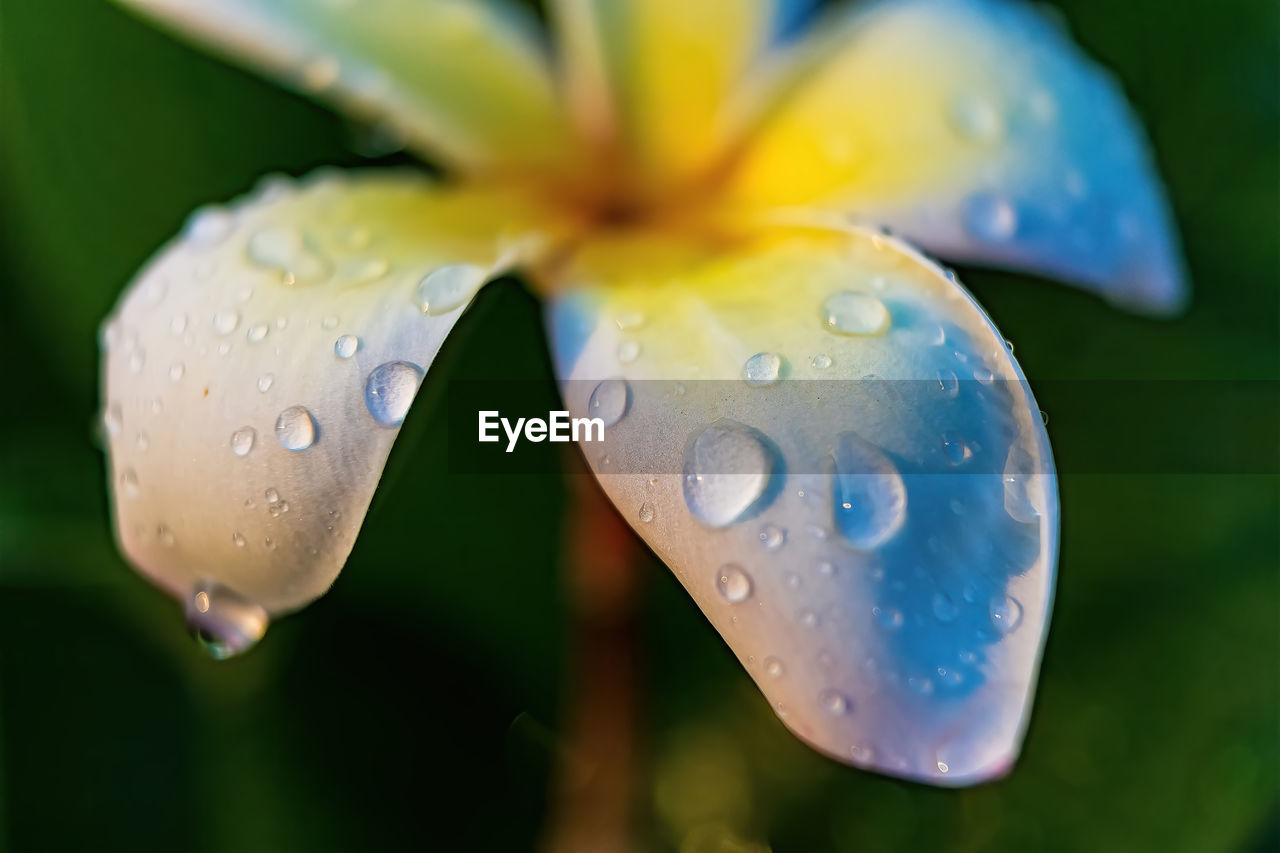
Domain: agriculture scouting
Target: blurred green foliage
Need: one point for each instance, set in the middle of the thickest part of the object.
(420, 703)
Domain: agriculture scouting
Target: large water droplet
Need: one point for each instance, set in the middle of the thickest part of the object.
(869, 495)
(609, 401)
(763, 368)
(242, 440)
(989, 218)
(295, 428)
(733, 583)
(224, 622)
(346, 346)
(726, 472)
(851, 313)
(449, 287)
(389, 391)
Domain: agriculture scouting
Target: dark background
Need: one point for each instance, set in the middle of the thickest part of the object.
(421, 703)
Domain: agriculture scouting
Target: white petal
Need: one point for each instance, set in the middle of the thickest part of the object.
(257, 370)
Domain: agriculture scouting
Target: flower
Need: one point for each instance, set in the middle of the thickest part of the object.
(701, 206)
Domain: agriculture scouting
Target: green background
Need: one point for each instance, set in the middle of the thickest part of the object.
(422, 702)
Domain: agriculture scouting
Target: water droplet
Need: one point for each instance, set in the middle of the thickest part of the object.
(943, 607)
(209, 226)
(851, 313)
(975, 118)
(821, 361)
(242, 440)
(449, 287)
(178, 325)
(272, 496)
(628, 351)
(225, 322)
(609, 401)
(164, 536)
(257, 333)
(984, 376)
(734, 584)
(365, 271)
(129, 482)
(296, 428)
(1006, 613)
(953, 445)
(989, 218)
(772, 536)
(835, 702)
(346, 346)
(943, 767)
(763, 368)
(389, 391)
(807, 618)
(726, 470)
(224, 622)
(176, 370)
(869, 494)
(136, 361)
(286, 251)
(113, 419)
(887, 617)
(949, 383)
(330, 321)
(237, 539)
(774, 668)
(826, 568)
(264, 382)
(646, 512)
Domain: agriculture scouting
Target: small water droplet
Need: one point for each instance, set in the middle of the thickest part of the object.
(772, 536)
(826, 568)
(1006, 613)
(774, 668)
(257, 332)
(949, 383)
(869, 494)
(136, 361)
(646, 512)
(129, 482)
(609, 401)
(989, 218)
(296, 428)
(365, 271)
(264, 382)
(178, 325)
(734, 584)
(807, 618)
(272, 496)
(953, 445)
(975, 118)
(446, 288)
(224, 622)
(389, 391)
(143, 441)
(628, 351)
(943, 607)
(237, 539)
(176, 370)
(821, 361)
(726, 471)
(113, 419)
(887, 617)
(346, 346)
(209, 226)
(285, 250)
(164, 536)
(835, 702)
(225, 322)
(943, 767)
(763, 368)
(852, 313)
(242, 440)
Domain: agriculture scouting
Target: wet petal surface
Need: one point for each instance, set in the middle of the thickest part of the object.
(873, 530)
(256, 373)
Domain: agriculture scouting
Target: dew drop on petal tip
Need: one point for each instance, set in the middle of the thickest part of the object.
(852, 313)
(609, 401)
(295, 428)
(389, 391)
(224, 623)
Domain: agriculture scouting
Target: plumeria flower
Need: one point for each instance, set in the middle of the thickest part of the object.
(718, 219)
